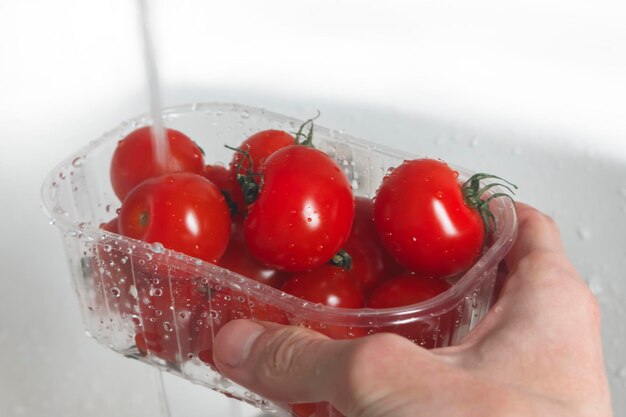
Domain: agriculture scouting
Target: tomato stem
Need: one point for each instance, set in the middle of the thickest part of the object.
(232, 206)
(342, 259)
(474, 196)
(247, 181)
(144, 219)
(308, 137)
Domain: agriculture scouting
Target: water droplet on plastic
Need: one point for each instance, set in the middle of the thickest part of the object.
(115, 292)
(595, 286)
(157, 247)
(156, 292)
(167, 326)
(245, 114)
(78, 161)
(583, 232)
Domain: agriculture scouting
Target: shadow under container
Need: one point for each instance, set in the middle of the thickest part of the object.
(164, 308)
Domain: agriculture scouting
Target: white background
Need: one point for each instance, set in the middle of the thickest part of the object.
(532, 90)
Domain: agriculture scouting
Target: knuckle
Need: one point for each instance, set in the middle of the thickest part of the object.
(374, 353)
(372, 367)
(537, 217)
(546, 264)
(282, 353)
(587, 303)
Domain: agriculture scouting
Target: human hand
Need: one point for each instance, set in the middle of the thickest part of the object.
(536, 353)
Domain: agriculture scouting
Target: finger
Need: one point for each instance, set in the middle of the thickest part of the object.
(545, 314)
(536, 233)
(539, 285)
(293, 364)
(537, 261)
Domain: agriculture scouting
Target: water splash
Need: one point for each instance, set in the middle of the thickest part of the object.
(159, 142)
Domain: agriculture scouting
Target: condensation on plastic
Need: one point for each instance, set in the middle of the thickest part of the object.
(144, 302)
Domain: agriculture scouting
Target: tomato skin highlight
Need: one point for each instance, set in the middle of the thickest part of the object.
(424, 221)
(134, 159)
(182, 211)
(304, 211)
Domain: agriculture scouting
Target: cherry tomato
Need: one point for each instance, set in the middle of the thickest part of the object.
(367, 263)
(321, 409)
(406, 289)
(221, 307)
(116, 275)
(304, 210)
(182, 211)
(134, 159)
(219, 176)
(424, 221)
(259, 147)
(331, 286)
(166, 304)
(238, 258)
(364, 230)
(410, 288)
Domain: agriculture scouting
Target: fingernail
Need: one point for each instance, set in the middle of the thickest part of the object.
(233, 343)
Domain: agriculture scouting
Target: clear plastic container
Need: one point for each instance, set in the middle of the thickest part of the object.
(142, 301)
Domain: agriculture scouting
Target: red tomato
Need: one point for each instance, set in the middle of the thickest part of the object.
(111, 226)
(364, 230)
(223, 306)
(134, 159)
(322, 409)
(208, 318)
(238, 258)
(406, 289)
(184, 212)
(166, 304)
(410, 288)
(367, 263)
(219, 176)
(259, 147)
(331, 286)
(303, 213)
(424, 221)
(116, 275)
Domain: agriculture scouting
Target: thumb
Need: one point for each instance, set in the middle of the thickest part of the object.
(293, 364)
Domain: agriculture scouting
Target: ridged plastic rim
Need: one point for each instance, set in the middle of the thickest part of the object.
(506, 231)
